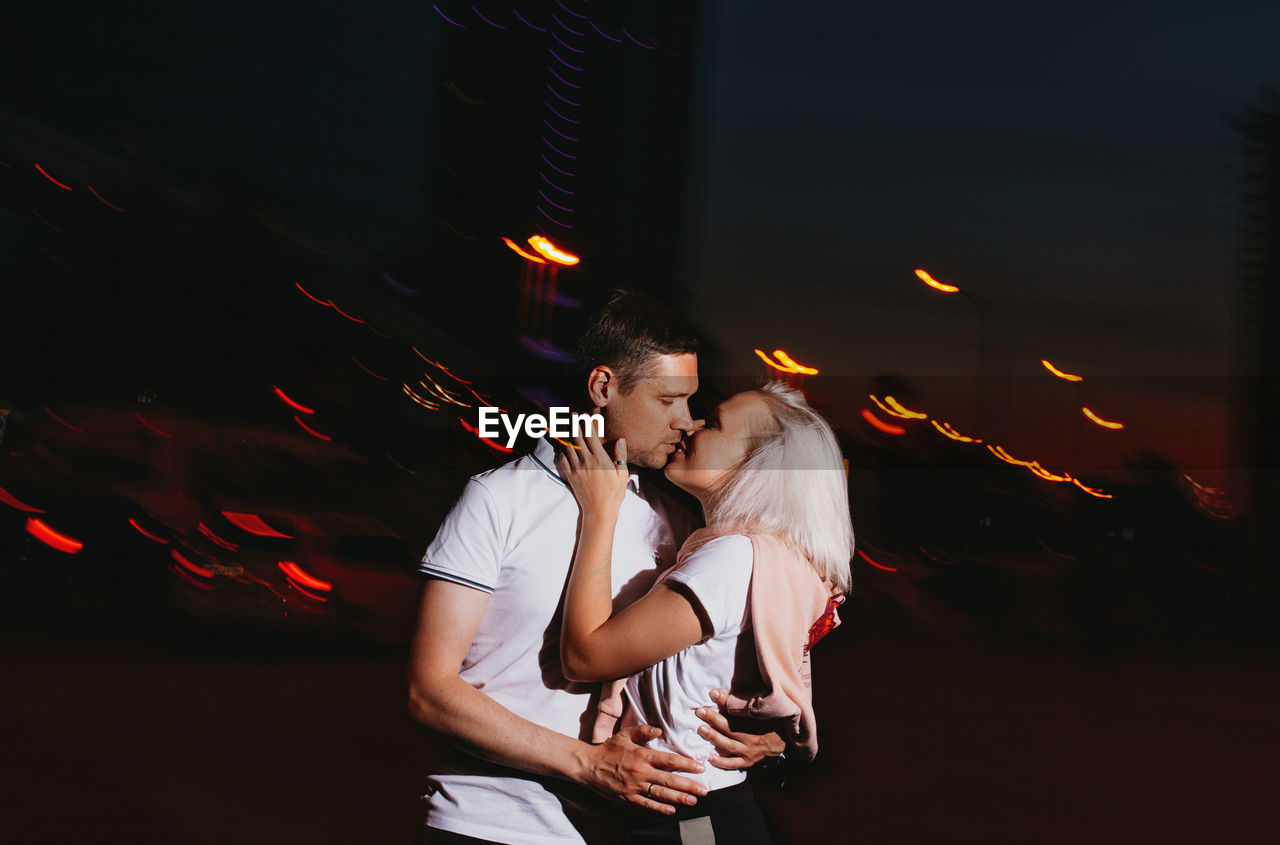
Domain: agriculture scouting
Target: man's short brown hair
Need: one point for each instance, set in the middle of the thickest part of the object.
(629, 332)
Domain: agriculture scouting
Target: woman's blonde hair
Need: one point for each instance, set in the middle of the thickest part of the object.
(792, 484)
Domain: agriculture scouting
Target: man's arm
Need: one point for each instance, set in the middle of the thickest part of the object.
(441, 701)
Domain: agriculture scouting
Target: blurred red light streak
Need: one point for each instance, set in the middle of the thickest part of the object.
(302, 409)
(295, 573)
(253, 524)
(309, 430)
(863, 555)
(344, 313)
(226, 544)
(312, 298)
(14, 502)
(486, 441)
(150, 426)
(198, 570)
(36, 528)
(61, 420)
(367, 370)
(145, 533)
(199, 585)
(104, 202)
(51, 179)
(881, 425)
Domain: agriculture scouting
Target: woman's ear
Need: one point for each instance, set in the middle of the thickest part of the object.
(601, 386)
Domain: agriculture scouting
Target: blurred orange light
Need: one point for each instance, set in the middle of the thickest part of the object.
(295, 573)
(36, 528)
(881, 425)
(1059, 373)
(14, 502)
(1000, 453)
(946, 430)
(935, 284)
(520, 252)
(1041, 472)
(551, 252)
(302, 409)
(905, 413)
(1100, 421)
(416, 398)
(772, 363)
(1092, 491)
(792, 365)
(253, 524)
(486, 441)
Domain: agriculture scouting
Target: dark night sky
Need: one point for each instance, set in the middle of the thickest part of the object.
(1069, 164)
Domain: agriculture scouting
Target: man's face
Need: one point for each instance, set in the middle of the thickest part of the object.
(654, 414)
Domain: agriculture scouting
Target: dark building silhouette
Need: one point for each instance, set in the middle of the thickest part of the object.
(1259, 133)
(568, 119)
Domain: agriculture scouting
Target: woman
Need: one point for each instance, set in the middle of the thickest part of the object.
(741, 607)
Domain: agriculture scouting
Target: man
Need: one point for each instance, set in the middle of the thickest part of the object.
(497, 572)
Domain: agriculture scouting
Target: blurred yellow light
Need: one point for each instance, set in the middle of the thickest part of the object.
(887, 409)
(794, 367)
(946, 430)
(520, 252)
(772, 363)
(1059, 373)
(1040, 471)
(1100, 421)
(905, 413)
(551, 252)
(935, 284)
(1092, 491)
(1000, 453)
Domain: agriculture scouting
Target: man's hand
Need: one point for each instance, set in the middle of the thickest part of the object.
(736, 750)
(623, 768)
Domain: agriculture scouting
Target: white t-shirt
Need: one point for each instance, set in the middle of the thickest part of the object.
(512, 534)
(666, 694)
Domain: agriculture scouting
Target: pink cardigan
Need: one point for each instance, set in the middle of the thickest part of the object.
(792, 608)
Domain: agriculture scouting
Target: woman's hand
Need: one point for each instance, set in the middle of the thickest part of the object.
(598, 482)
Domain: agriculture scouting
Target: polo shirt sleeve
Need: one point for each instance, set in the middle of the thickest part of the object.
(719, 577)
(468, 547)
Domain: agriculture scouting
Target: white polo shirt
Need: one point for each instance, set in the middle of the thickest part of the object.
(512, 534)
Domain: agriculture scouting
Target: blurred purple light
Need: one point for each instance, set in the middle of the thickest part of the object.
(604, 34)
(557, 169)
(633, 39)
(552, 219)
(526, 23)
(559, 115)
(552, 71)
(570, 11)
(553, 184)
(486, 20)
(565, 26)
(553, 202)
(558, 132)
(562, 43)
(563, 97)
(447, 18)
(553, 146)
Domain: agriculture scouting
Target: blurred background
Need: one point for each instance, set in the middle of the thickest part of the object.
(261, 264)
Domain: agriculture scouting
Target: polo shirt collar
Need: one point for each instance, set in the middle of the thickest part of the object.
(544, 454)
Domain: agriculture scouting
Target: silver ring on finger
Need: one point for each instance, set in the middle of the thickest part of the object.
(648, 793)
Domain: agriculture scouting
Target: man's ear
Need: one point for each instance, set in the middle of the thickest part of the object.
(602, 386)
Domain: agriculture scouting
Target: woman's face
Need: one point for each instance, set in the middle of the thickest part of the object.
(707, 457)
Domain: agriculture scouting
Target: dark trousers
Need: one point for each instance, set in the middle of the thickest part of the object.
(729, 815)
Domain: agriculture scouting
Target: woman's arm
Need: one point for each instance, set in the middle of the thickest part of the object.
(594, 645)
